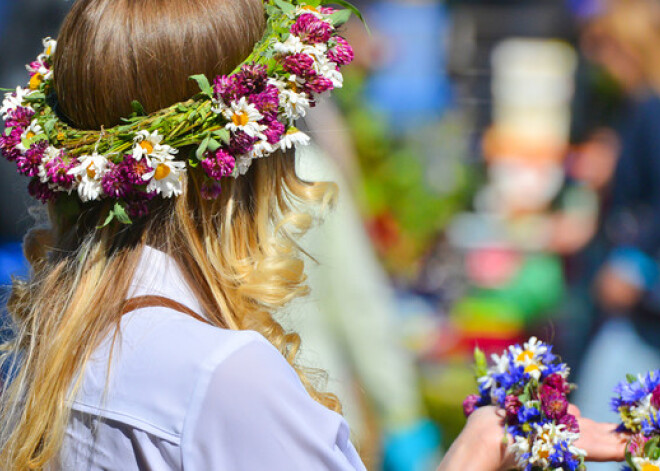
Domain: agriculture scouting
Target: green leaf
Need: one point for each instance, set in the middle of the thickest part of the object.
(202, 148)
(138, 109)
(7, 131)
(340, 17)
(121, 214)
(480, 363)
(631, 378)
(284, 6)
(35, 96)
(222, 134)
(350, 7)
(49, 125)
(213, 145)
(204, 84)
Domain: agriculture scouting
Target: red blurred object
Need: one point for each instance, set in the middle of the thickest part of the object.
(492, 267)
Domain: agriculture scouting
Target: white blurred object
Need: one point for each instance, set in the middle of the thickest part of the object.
(532, 87)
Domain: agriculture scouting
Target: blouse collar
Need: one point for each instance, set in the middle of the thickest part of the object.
(158, 274)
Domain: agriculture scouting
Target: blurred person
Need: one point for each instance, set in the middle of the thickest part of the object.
(624, 37)
(129, 336)
(348, 329)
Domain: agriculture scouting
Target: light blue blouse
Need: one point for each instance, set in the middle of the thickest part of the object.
(181, 394)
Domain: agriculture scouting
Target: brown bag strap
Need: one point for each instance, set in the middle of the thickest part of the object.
(141, 302)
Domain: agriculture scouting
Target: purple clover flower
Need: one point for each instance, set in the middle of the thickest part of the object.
(311, 29)
(8, 143)
(299, 64)
(219, 164)
(267, 102)
(211, 189)
(241, 143)
(512, 405)
(470, 404)
(28, 164)
(134, 170)
(570, 422)
(556, 382)
(116, 182)
(41, 191)
(554, 405)
(275, 132)
(20, 117)
(229, 88)
(253, 77)
(318, 84)
(342, 53)
(57, 171)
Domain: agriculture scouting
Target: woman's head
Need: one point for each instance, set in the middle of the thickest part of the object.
(237, 251)
(111, 52)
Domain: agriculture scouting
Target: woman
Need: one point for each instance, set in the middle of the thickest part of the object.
(153, 346)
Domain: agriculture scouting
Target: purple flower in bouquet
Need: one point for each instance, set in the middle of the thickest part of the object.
(556, 382)
(211, 189)
(311, 29)
(512, 406)
(218, 164)
(21, 117)
(57, 171)
(299, 64)
(470, 404)
(40, 191)
(570, 422)
(116, 182)
(554, 404)
(241, 143)
(342, 53)
(28, 164)
(8, 143)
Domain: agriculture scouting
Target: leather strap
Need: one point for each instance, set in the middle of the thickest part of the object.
(141, 302)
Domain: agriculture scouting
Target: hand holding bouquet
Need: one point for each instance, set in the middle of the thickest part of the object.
(530, 384)
(637, 401)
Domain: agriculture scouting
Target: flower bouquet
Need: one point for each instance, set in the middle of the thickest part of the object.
(530, 384)
(637, 401)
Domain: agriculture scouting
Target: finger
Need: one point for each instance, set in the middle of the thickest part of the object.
(574, 410)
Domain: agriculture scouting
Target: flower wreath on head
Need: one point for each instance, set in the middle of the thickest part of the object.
(247, 114)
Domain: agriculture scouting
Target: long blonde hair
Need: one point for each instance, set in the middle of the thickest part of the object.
(238, 252)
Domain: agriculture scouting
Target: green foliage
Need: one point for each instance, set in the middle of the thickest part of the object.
(480, 363)
(117, 213)
(204, 84)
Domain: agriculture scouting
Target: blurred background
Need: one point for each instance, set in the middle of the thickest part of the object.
(498, 163)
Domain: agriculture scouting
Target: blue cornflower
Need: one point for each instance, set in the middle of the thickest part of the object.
(651, 426)
(630, 392)
(499, 395)
(528, 414)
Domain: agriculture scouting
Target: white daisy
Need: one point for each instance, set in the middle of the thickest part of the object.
(293, 138)
(49, 49)
(31, 131)
(13, 100)
(166, 177)
(330, 71)
(262, 148)
(244, 116)
(549, 435)
(529, 356)
(149, 145)
(89, 173)
(646, 464)
(295, 104)
(294, 45)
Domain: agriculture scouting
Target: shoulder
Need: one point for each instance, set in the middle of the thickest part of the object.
(157, 367)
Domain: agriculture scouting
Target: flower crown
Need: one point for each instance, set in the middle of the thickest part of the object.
(247, 114)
